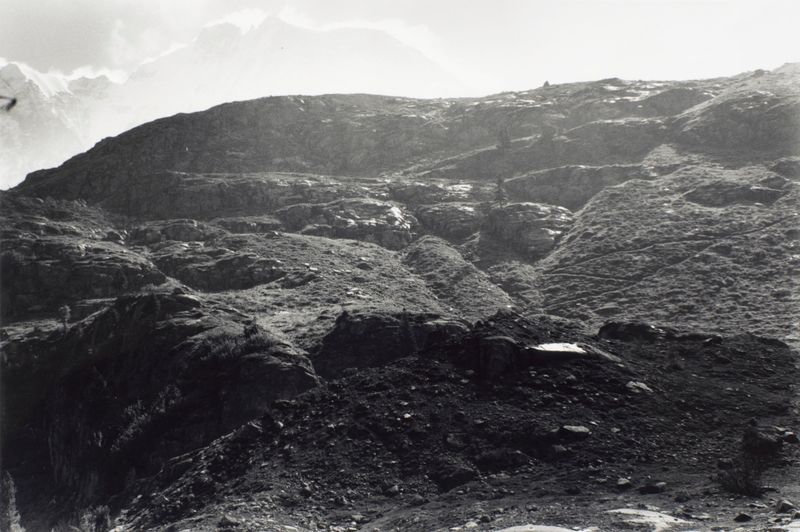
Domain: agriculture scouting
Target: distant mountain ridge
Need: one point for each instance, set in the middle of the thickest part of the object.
(58, 117)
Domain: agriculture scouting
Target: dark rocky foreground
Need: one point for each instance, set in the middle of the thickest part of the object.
(362, 312)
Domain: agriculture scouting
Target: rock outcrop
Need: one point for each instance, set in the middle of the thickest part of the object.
(451, 220)
(370, 220)
(41, 274)
(533, 229)
(383, 338)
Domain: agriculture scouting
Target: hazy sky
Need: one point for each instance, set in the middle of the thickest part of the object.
(491, 45)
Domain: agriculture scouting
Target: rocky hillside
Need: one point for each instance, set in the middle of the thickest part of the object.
(369, 312)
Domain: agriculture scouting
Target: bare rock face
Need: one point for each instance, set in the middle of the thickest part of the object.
(533, 229)
(370, 220)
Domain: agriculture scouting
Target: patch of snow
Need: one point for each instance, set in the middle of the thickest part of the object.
(461, 187)
(50, 84)
(561, 347)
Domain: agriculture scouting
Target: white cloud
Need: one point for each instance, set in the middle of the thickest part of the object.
(417, 36)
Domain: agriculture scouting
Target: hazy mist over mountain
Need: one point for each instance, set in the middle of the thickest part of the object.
(58, 117)
(97, 69)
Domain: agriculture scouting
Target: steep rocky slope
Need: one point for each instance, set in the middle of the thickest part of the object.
(372, 312)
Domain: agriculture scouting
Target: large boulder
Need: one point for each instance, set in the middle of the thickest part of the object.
(370, 339)
(451, 220)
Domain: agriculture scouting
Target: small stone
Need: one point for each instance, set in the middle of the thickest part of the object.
(392, 491)
(624, 483)
(341, 500)
(248, 432)
(306, 491)
(559, 451)
(454, 441)
(790, 437)
(653, 487)
(573, 490)
(638, 387)
(743, 517)
(785, 507)
(416, 500)
(725, 463)
(574, 432)
(470, 524)
(227, 521)
(484, 518)
(682, 497)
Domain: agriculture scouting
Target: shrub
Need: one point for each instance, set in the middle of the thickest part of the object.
(745, 476)
(230, 346)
